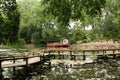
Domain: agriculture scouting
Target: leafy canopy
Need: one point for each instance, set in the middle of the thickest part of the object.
(65, 10)
(9, 18)
(111, 23)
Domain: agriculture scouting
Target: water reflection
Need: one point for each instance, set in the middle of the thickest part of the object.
(95, 71)
(109, 70)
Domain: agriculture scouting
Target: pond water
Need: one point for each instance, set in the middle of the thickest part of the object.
(109, 70)
(10, 52)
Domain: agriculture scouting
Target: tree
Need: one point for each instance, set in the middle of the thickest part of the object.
(65, 10)
(111, 23)
(28, 10)
(1, 27)
(107, 25)
(35, 24)
(10, 21)
(30, 22)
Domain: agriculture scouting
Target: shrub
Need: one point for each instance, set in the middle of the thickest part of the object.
(36, 38)
(19, 44)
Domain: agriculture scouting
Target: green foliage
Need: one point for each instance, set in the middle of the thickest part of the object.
(23, 33)
(9, 18)
(65, 10)
(1, 27)
(28, 10)
(36, 38)
(95, 34)
(49, 20)
(19, 44)
(111, 24)
(32, 22)
(107, 25)
(77, 36)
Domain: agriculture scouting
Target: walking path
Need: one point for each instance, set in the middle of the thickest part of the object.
(20, 63)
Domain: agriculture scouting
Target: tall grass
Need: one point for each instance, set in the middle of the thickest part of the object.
(17, 45)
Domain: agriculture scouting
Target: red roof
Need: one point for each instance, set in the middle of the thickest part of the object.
(57, 45)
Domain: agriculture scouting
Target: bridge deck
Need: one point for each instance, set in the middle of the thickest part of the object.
(20, 63)
(36, 59)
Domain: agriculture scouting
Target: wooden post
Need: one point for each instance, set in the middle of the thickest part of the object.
(63, 55)
(40, 58)
(84, 57)
(26, 61)
(114, 55)
(49, 55)
(49, 65)
(70, 55)
(54, 56)
(113, 51)
(59, 55)
(103, 52)
(74, 56)
(1, 76)
(44, 58)
(14, 70)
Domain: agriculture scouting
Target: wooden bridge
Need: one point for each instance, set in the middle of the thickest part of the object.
(96, 52)
(13, 62)
(26, 61)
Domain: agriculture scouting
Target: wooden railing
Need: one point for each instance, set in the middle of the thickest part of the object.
(24, 63)
(26, 60)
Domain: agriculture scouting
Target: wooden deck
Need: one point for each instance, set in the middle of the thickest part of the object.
(22, 61)
(88, 50)
(96, 52)
(6, 64)
(81, 50)
(15, 61)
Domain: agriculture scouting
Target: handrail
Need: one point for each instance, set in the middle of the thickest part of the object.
(99, 50)
(16, 57)
(25, 59)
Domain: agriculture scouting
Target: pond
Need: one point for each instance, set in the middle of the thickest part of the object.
(73, 70)
(109, 70)
(10, 52)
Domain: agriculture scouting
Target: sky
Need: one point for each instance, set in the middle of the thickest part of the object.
(89, 27)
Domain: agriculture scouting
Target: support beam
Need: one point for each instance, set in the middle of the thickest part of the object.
(113, 51)
(14, 68)
(49, 55)
(1, 70)
(59, 56)
(84, 56)
(70, 53)
(26, 59)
